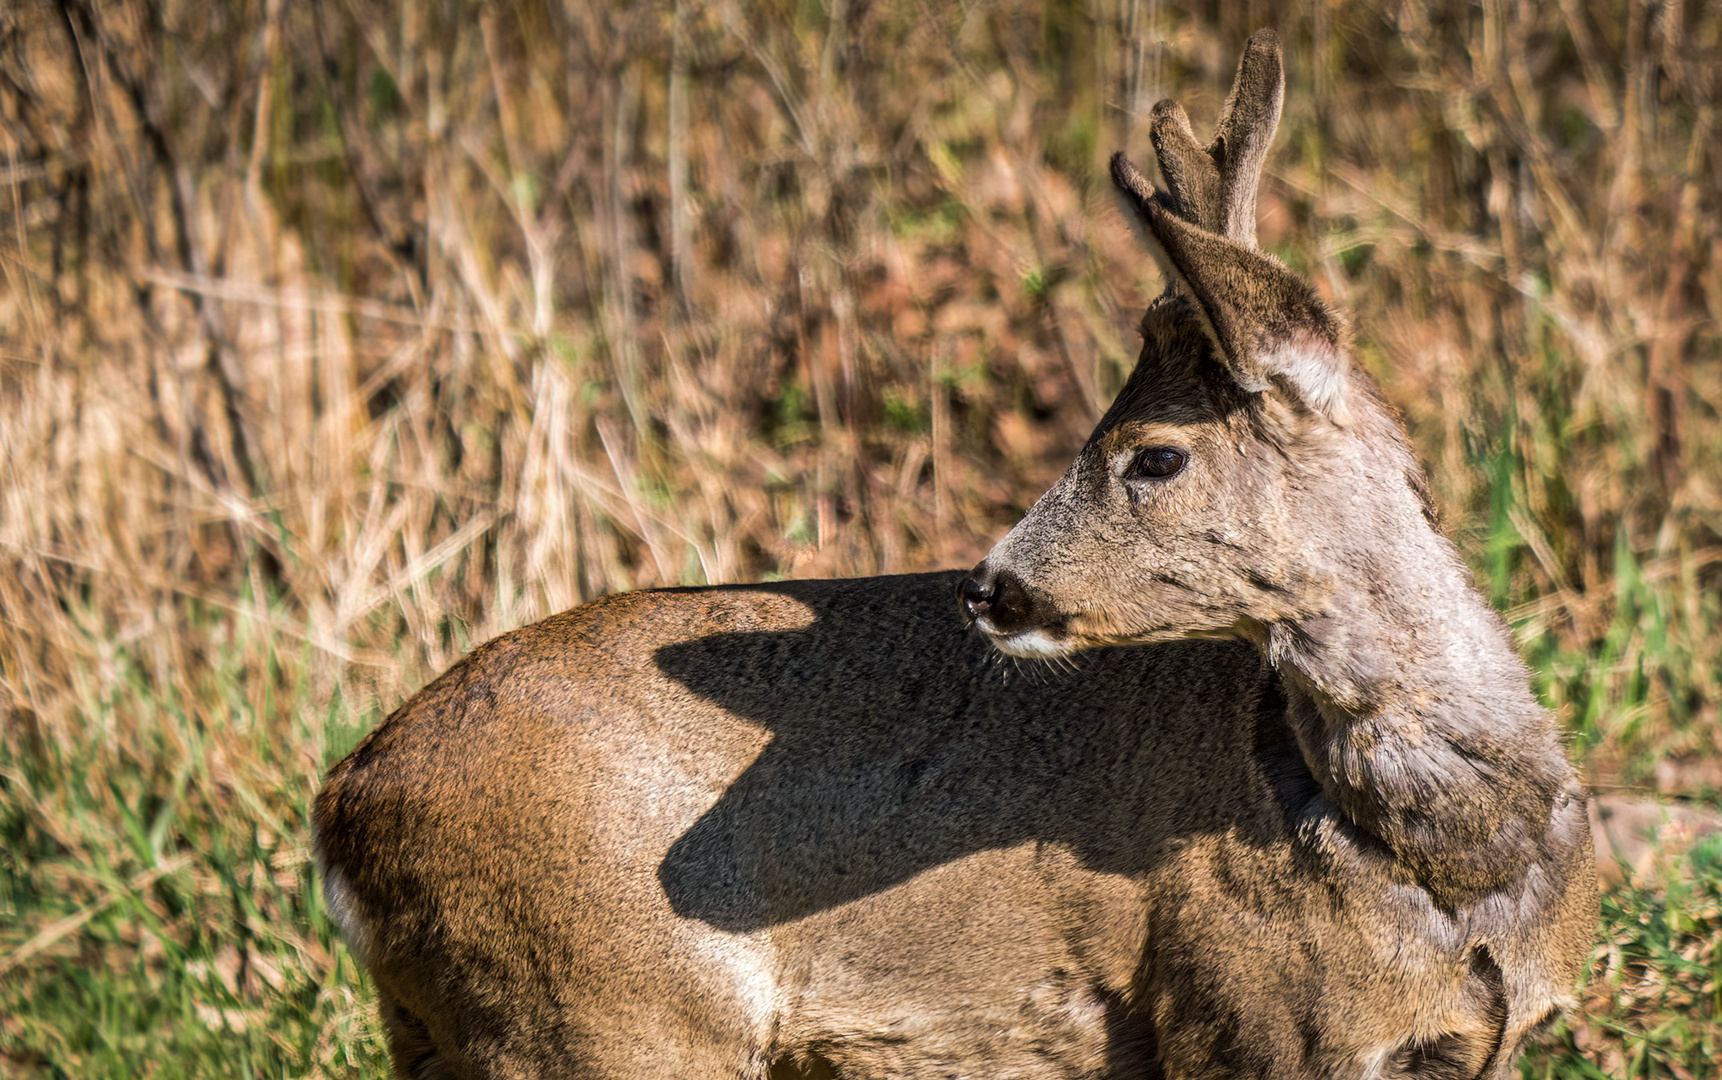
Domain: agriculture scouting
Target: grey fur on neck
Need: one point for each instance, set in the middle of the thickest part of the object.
(1413, 711)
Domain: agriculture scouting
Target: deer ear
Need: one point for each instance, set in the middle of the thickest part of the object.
(1267, 323)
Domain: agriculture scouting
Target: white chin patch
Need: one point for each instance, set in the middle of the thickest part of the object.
(1032, 645)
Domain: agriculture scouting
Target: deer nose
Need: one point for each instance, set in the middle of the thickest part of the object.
(999, 602)
(977, 592)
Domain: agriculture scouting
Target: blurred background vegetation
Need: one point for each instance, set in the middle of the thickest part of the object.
(338, 337)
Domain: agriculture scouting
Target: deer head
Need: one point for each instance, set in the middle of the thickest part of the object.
(1246, 469)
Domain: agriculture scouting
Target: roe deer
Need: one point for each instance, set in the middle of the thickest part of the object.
(1292, 813)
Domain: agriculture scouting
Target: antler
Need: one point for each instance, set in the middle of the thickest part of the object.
(1215, 186)
(1267, 324)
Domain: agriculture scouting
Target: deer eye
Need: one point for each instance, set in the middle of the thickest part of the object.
(1156, 463)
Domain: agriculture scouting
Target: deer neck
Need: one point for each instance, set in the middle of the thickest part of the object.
(1413, 714)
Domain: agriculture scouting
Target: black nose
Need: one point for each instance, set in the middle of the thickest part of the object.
(977, 592)
(999, 600)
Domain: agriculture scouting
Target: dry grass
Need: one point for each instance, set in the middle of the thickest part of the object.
(335, 338)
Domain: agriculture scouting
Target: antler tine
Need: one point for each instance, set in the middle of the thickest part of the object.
(1215, 186)
(1131, 183)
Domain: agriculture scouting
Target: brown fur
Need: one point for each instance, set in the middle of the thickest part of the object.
(818, 829)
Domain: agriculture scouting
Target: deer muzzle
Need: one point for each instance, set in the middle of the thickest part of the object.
(1018, 619)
